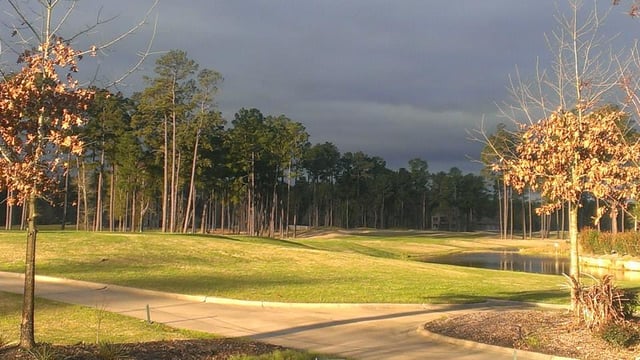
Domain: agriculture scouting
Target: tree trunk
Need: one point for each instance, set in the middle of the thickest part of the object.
(286, 217)
(524, 219)
(614, 219)
(192, 188)
(112, 195)
(165, 177)
(173, 186)
(27, 334)
(9, 218)
(65, 202)
(78, 196)
(530, 215)
(97, 226)
(500, 217)
(574, 269)
(274, 205)
(203, 219)
(505, 210)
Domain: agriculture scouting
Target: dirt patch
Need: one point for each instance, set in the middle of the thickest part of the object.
(542, 331)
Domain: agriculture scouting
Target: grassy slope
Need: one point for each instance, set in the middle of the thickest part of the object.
(355, 269)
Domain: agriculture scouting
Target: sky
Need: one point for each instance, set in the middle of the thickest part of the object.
(398, 79)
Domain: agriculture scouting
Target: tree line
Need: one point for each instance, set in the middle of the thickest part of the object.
(165, 158)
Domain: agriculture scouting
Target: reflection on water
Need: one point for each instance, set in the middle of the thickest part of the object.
(514, 261)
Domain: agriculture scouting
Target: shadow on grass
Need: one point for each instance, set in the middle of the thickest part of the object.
(265, 336)
(546, 297)
(390, 234)
(263, 240)
(192, 284)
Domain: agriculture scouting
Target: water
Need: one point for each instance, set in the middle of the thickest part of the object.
(506, 260)
(514, 261)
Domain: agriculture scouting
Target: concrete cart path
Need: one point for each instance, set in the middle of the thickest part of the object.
(366, 331)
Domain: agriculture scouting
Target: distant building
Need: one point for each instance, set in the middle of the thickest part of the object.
(440, 221)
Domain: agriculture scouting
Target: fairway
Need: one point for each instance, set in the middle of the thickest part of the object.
(365, 267)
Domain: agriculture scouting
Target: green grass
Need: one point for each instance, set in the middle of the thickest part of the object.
(65, 324)
(350, 269)
(284, 355)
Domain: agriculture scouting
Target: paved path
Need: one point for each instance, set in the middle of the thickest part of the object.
(357, 331)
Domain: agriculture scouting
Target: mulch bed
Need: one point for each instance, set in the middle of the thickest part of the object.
(542, 331)
(210, 349)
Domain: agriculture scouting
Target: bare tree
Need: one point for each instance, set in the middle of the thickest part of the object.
(570, 141)
(39, 112)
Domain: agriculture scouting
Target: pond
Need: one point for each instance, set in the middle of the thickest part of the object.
(515, 261)
(505, 260)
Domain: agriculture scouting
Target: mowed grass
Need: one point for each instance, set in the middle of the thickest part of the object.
(65, 324)
(369, 269)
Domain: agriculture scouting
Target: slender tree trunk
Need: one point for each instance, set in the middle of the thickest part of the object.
(173, 185)
(23, 217)
(192, 188)
(500, 210)
(505, 210)
(295, 225)
(286, 225)
(574, 270)
(597, 207)
(564, 219)
(112, 196)
(511, 213)
(9, 220)
(165, 177)
(97, 226)
(223, 211)
(78, 197)
(27, 333)
(85, 197)
(65, 202)
(524, 219)
(203, 218)
(251, 217)
(125, 222)
(274, 205)
(530, 215)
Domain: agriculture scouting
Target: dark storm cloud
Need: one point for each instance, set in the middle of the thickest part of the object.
(396, 79)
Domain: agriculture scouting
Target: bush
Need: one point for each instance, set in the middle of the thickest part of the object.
(621, 335)
(590, 241)
(110, 351)
(602, 303)
(601, 243)
(44, 352)
(630, 304)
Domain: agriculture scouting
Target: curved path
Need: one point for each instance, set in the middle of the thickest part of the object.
(365, 331)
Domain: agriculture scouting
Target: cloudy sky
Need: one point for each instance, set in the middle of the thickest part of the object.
(397, 79)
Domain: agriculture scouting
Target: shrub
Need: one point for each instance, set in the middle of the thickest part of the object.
(630, 304)
(601, 243)
(44, 352)
(621, 335)
(110, 351)
(602, 303)
(590, 241)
